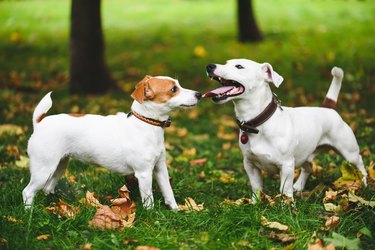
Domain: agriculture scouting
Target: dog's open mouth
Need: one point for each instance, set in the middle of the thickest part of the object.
(230, 88)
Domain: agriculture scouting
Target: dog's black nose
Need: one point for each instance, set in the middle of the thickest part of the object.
(198, 95)
(210, 67)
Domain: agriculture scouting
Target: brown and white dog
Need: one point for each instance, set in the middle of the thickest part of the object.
(124, 143)
(275, 138)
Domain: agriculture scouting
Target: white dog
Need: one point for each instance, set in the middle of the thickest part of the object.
(275, 138)
(124, 143)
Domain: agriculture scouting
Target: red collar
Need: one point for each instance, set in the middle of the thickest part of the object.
(151, 121)
(250, 126)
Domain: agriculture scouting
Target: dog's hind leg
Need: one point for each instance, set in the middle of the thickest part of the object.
(41, 173)
(346, 144)
(52, 182)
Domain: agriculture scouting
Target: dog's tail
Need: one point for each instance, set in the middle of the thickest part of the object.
(42, 108)
(332, 95)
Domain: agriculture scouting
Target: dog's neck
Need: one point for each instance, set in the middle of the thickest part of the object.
(254, 103)
(150, 110)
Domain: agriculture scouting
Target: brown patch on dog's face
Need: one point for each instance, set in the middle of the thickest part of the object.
(77, 115)
(158, 90)
(40, 118)
(162, 89)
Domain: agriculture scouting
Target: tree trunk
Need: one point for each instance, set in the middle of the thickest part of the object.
(88, 70)
(247, 27)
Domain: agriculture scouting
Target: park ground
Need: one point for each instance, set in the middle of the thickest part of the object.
(302, 40)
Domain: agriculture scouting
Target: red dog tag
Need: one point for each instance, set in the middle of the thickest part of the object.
(244, 138)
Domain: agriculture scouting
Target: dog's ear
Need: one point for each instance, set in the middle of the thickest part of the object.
(142, 90)
(272, 76)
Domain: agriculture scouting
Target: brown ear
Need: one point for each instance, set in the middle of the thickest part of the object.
(142, 90)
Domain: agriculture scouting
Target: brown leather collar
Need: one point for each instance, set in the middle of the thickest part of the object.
(250, 126)
(154, 122)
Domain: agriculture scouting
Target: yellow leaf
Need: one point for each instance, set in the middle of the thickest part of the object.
(189, 152)
(200, 51)
(330, 196)
(273, 224)
(15, 37)
(190, 205)
(23, 162)
(198, 162)
(355, 198)
(371, 170)
(226, 178)
(91, 200)
(146, 248)
(10, 129)
(63, 209)
(10, 218)
(43, 237)
(351, 178)
(330, 207)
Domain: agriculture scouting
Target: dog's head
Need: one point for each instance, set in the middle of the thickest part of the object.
(164, 92)
(239, 78)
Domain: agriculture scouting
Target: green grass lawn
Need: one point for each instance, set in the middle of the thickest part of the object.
(303, 40)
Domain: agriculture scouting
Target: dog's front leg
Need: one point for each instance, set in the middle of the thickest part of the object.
(145, 188)
(286, 178)
(255, 178)
(162, 178)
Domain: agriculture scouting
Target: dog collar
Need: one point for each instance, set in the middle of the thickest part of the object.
(250, 126)
(163, 124)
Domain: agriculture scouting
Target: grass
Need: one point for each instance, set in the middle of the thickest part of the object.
(302, 41)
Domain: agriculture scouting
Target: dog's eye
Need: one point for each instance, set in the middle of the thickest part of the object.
(174, 89)
(239, 66)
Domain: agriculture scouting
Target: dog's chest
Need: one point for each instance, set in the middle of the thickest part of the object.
(261, 154)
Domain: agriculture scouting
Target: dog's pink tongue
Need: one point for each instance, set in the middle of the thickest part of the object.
(218, 91)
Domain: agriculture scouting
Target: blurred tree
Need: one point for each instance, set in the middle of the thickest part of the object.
(248, 30)
(88, 69)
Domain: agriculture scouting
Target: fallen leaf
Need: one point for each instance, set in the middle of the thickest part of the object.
(238, 202)
(351, 178)
(354, 198)
(146, 248)
(244, 244)
(273, 224)
(226, 178)
(189, 152)
(63, 209)
(200, 51)
(330, 207)
(332, 221)
(191, 205)
(198, 162)
(371, 170)
(90, 200)
(43, 237)
(105, 218)
(282, 237)
(23, 162)
(330, 195)
(87, 246)
(10, 218)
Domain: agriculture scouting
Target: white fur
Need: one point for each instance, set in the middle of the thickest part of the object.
(122, 144)
(291, 136)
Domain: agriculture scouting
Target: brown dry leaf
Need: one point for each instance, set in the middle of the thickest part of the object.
(332, 221)
(182, 132)
(266, 198)
(91, 200)
(87, 246)
(63, 209)
(190, 205)
(354, 198)
(330, 207)
(282, 237)
(105, 218)
(198, 162)
(146, 248)
(274, 224)
(43, 237)
(330, 196)
(316, 168)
